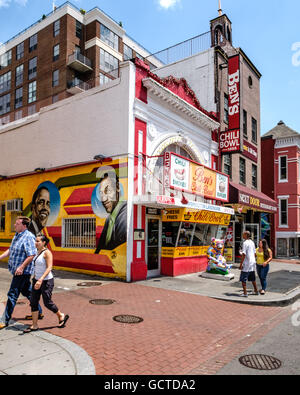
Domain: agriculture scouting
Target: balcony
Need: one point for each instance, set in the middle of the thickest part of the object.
(79, 62)
(77, 86)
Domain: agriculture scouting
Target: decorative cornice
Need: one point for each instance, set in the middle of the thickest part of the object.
(179, 104)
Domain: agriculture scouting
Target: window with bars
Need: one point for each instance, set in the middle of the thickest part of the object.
(79, 233)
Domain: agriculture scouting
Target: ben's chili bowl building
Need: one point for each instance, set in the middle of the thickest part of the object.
(144, 141)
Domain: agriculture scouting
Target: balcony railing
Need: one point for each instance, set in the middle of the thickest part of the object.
(77, 86)
(79, 62)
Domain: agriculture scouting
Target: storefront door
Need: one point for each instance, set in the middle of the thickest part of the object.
(254, 230)
(153, 248)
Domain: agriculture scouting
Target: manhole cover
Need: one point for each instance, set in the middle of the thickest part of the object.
(102, 302)
(89, 284)
(260, 362)
(128, 319)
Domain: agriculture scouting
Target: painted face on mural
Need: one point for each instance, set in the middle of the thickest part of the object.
(109, 193)
(41, 207)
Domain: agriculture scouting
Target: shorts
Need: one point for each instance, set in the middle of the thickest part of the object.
(247, 276)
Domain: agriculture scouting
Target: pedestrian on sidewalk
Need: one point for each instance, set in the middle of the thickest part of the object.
(20, 253)
(264, 256)
(43, 284)
(248, 263)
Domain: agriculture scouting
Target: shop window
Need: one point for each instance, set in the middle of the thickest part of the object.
(211, 232)
(283, 171)
(2, 217)
(79, 233)
(199, 235)
(282, 247)
(169, 233)
(185, 235)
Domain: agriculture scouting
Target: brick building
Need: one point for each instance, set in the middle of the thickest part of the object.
(64, 53)
(280, 181)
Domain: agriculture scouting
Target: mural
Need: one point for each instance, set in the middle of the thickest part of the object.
(83, 211)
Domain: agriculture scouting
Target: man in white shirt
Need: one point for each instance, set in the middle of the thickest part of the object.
(248, 264)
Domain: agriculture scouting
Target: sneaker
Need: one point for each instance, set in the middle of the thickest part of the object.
(29, 317)
(244, 295)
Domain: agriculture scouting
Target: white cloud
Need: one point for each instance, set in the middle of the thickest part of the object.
(166, 4)
(7, 3)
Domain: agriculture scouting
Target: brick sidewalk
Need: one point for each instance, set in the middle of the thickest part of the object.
(181, 333)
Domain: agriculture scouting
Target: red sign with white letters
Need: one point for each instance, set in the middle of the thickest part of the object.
(234, 99)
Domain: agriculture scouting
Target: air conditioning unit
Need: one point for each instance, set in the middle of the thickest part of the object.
(15, 205)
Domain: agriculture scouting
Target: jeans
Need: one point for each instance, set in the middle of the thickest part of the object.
(19, 285)
(262, 273)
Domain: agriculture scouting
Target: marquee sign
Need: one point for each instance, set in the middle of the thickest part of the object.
(192, 177)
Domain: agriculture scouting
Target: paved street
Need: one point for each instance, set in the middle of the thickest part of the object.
(181, 333)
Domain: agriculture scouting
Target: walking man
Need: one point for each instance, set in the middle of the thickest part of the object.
(248, 264)
(21, 253)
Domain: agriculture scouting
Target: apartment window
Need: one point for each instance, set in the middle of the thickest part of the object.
(254, 130)
(5, 59)
(19, 98)
(19, 74)
(55, 52)
(245, 124)
(78, 29)
(226, 108)
(283, 171)
(109, 63)
(18, 115)
(55, 78)
(79, 233)
(56, 28)
(228, 165)
(32, 92)
(283, 212)
(20, 51)
(2, 217)
(5, 82)
(33, 43)
(32, 68)
(104, 79)
(242, 170)
(32, 109)
(254, 176)
(5, 104)
(109, 37)
(127, 52)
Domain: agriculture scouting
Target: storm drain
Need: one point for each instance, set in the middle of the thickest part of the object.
(102, 302)
(260, 362)
(89, 284)
(128, 319)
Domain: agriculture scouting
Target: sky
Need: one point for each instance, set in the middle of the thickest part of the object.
(267, 31)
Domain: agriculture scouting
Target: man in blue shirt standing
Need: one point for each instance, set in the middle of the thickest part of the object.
(21, 253)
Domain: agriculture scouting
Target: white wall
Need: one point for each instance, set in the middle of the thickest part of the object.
(198, 70)
(71, 131)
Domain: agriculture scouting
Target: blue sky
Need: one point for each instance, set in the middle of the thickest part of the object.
(266, 30)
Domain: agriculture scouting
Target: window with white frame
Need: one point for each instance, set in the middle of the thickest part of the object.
(55, 52)
(56, 28)
(79, 233)
(283, 212)
(283, 170)
(127, 52)
(109, 37)
(32, 92)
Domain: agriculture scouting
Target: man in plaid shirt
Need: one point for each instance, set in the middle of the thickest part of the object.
(21, 253)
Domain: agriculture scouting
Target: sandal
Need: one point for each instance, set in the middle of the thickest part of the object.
(29, 317)
(29, 330)
(63, 322)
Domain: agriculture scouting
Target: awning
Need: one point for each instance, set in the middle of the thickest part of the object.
(248, 198)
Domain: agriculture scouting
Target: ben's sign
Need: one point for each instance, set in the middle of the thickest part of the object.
(230, 141)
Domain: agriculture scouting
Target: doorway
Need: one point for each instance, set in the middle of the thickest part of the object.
(153, 246)
(254, 230)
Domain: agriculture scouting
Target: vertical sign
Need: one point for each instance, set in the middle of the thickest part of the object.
(234, 93)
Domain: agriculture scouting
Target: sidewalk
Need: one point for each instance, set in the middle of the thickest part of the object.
(185, 329)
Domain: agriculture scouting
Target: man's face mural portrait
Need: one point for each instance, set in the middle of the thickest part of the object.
(40, 207)
(109, 193)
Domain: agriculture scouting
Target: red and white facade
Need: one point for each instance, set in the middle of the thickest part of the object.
(281, 181)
